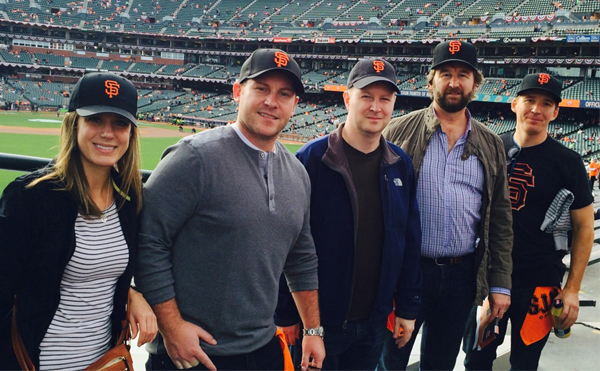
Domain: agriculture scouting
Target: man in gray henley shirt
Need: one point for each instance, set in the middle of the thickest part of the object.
(225, 213)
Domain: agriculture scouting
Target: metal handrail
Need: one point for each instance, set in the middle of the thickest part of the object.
(9, 161)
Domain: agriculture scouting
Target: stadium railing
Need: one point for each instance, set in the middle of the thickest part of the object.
(9, 161)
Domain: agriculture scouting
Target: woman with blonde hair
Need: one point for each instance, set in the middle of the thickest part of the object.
(68, 236)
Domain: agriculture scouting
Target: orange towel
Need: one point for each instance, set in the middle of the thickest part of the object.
(288, 365)
(539, 321)
(390, 324)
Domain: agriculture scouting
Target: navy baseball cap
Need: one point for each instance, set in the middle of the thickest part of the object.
(104, 92)
(542, 81)
(266, 60)
(455, 51)
(368, 71)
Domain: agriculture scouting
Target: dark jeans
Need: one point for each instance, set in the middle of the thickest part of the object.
(447, 296)
(269, 357)
(522, 357)
(357, 346)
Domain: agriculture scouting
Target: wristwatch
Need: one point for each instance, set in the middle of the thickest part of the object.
(317, 331)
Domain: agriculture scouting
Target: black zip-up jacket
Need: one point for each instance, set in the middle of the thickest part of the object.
(37, 240)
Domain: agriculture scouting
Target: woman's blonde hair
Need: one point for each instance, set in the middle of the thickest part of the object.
(68, 169)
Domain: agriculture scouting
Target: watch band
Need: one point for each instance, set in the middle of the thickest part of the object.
(317, 331)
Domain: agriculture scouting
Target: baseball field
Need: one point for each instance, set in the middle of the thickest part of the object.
(37, 134)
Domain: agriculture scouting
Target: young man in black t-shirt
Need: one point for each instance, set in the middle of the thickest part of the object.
(539, 169)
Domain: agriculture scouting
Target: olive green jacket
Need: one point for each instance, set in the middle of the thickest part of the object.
(493, 268)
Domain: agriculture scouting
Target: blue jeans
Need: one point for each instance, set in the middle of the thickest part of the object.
(356, 346)
(522, 357)
(448, 293)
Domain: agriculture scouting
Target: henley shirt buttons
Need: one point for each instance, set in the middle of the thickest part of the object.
(271, 197)
(262, 154)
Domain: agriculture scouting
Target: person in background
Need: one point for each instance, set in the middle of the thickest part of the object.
(593, 172)
(68, 236)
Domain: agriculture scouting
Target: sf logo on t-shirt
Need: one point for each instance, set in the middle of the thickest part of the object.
(520, 181)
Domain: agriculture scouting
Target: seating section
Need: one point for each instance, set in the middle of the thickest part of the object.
(104, 13)
(49, 59)
(175, 69)
(489, 8)
(587, 6)
(319, 12)
(496, 86)
(454, 9)
(83, 62)
(258, 11)
(461, 33)
(40, 93)
(15, 57)
(115, 65)
(412, 82)
(227, 10)
(411, 10)
(534, 7)
(364, 10)
(142, 67)
(496, 34)
(92, 14)
(586, 90)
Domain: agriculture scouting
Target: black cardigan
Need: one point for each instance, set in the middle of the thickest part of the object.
(37, 240)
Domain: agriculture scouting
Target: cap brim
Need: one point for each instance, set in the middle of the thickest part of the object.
(95, 110)
(550, 92)
(454, 60)
(298, 85)
(371, 79)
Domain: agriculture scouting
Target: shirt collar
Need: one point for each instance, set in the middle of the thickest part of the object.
(236, 127)
(467, 114)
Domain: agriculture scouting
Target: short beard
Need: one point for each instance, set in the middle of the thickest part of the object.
(454, 107)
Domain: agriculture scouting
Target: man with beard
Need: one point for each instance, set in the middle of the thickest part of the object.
(465, 210)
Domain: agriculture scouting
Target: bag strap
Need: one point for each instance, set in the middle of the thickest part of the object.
(512, 150)
(18, 346)
(125, 336)
(24, 359)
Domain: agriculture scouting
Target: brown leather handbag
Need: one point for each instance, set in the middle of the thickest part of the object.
(117, 358)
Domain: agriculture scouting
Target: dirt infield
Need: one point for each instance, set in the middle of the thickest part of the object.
(146, 132)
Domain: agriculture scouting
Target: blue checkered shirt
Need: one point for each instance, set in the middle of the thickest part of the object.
(449, 193)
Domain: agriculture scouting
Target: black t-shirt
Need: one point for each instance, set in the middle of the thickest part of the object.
(539, 174)
(368, 250)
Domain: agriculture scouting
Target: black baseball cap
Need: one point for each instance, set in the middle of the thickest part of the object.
(104, 92)
(542, 81)
(455, 51)
(266, 60)
(368, 71)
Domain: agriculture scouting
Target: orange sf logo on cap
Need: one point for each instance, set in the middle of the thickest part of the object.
(281, 59)
(454, 46)
(544, 78)
(378, 66)
(112, 88)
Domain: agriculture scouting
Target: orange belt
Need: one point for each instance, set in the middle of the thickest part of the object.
(539, 321)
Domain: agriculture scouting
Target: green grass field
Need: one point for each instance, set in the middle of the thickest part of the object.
(47, 145)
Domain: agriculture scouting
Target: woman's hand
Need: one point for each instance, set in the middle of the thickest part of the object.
(141, 318)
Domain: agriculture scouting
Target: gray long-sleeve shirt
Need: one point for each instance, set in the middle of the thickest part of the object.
(217, 232)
